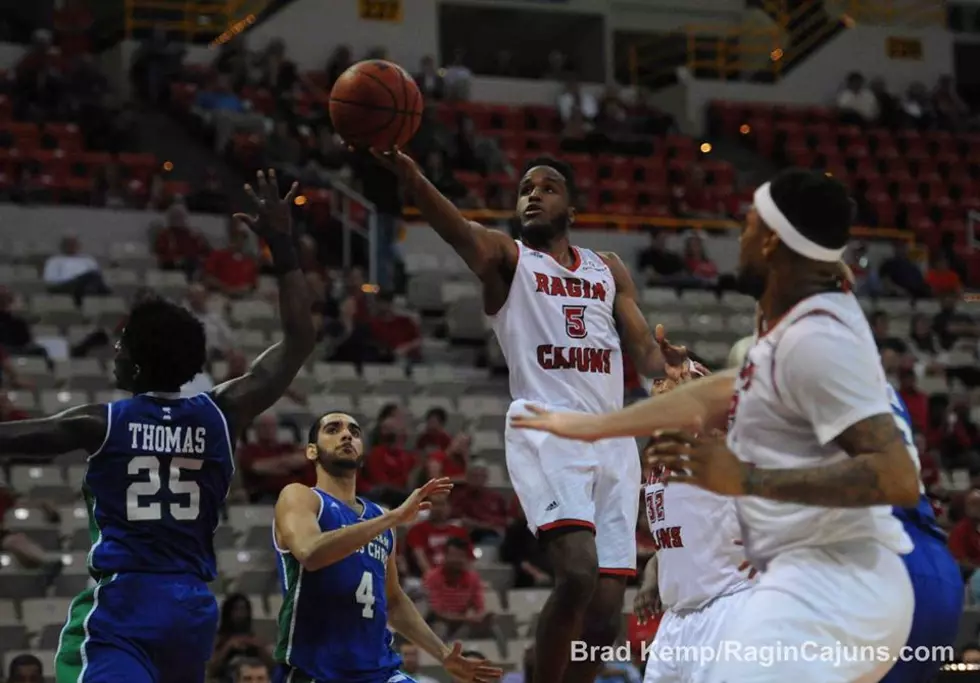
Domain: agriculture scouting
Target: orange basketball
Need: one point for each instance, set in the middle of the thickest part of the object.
(376, 104)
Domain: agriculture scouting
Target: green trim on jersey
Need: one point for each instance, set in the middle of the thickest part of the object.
(71, 659)
(94, 532)
(293, 573)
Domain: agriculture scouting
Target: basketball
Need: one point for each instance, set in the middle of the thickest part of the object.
(376, 104)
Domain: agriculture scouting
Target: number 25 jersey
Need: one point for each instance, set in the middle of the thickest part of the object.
(155, 489)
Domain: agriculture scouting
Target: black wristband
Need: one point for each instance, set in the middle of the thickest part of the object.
(284, 256)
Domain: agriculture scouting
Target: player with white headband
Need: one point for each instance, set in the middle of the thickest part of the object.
(813, 456)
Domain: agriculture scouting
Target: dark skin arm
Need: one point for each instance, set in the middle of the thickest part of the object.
(880, 470)
(245, 397)
(651, 355)
(83, 427)
(490, 254)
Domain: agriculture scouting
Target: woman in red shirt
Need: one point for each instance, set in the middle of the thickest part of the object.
(697, 262)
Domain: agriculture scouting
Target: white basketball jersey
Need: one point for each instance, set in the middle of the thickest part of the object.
(695, 533)
(767, 430)
(558, 335)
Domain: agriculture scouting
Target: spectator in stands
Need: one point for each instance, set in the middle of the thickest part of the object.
(430, 83)
(521, 550)
(110, 191)
(227, 112)
(426, 540)
(220, 338)
(482, 510)
(453, 462)
(474, 152)
(250, 670)
(27, 553)
(396, 334)
(73, 272)
(882, 334)
(276, 71)
(612, 119)
(856, 103)
(236, 638)
(458, 78)
(231, 271)
(339, 62)
(915, 399)
(960, 446)
(328, 156)
(950, 324)
(178, 246)
(15, 331)
(268, 465)
(917, 107)
(698, 264)
(10, 413)
(952, 112)
(434, 435)
(156, 62)
(389, 466)
(659, 264)
(693, 198)
(866, 279)
(350, 337)
(889, 111)
(924, 345)
(573, 99)
(39, 87)
(455, 595)
(899, 273)
(941, 279)
(25, 669)
(410, 663)
(557, 67)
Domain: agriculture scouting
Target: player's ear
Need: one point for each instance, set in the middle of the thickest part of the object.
(311, 452)
(769, 244)
(571, 215)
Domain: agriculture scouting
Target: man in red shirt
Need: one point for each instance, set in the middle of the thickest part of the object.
(455, 595)
(964, 538)
(268, 465)
(434, 434)
(483, 510)
(426, 541)
(178, 246)
(397, 335)
(231, 271)
(915, 400)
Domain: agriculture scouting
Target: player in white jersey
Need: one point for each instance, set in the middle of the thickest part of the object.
(813, 455)
(695, 574)
(562, 315)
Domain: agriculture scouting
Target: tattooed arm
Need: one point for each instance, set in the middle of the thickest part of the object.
(832, 378)
(879, 472)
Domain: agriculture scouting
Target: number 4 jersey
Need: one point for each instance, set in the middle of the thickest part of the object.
(558, 334)
(156, 487)
(333, 624)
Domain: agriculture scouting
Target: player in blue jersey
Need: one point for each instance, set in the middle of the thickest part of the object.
(159, 468)
(935, 575)
(341, 593)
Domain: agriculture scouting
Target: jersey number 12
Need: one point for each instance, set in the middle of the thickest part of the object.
(144, 511)
(364, 595)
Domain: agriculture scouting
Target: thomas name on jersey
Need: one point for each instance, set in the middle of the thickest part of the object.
(151, 438)
(579, 358)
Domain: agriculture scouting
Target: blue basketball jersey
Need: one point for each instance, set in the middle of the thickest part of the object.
(156, 486)
(333, 625)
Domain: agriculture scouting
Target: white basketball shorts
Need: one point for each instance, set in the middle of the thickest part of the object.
(686, 640)
(560, 482)
(834, 614)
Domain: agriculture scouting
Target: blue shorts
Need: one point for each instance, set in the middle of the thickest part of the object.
(287, 674)
(139, 628)
(939, 591)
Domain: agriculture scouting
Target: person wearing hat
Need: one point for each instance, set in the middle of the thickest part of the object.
(812, 456)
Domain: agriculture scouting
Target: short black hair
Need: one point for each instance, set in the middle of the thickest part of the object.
(239, 663)
(438, 413)
(817, 205)
(458, 543)
(21, 661)
(311, 437)
(560, 166)
(166, 341)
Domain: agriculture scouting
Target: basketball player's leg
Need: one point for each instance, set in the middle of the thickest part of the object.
(617, 505)
(835, 614)
(189, 643)
(665, 669)
(93, 646)
(553, 479)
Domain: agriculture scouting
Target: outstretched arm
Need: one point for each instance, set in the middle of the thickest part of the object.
(267, 380)
(82, 428)
(404, 617)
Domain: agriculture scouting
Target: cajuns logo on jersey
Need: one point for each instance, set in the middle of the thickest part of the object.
(742, 383)
(663, 536)
(579, 358)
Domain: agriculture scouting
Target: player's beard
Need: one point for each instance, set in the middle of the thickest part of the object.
(540, 234)
(338, 466)
(751, 281)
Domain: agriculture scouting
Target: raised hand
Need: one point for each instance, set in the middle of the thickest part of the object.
(273, 214)
(704, 461)
(675, 357)
(469, 669)
(578, 426)
(397, 162)
(418, 501)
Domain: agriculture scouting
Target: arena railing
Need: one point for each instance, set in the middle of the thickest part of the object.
(214, 20)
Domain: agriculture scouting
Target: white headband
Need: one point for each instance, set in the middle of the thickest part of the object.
(791, 237)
